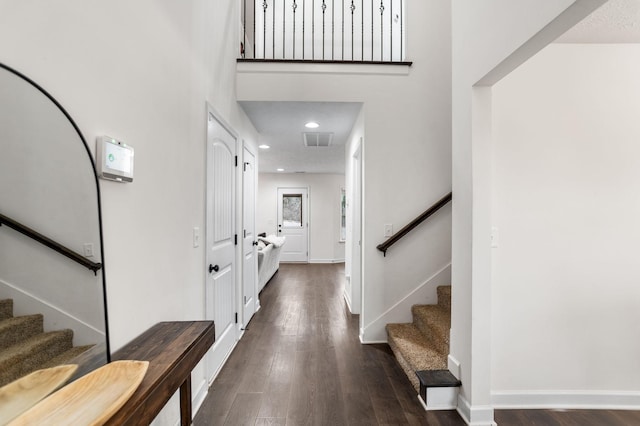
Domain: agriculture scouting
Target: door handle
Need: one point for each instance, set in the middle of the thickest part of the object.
(213, 268)
(255, 243)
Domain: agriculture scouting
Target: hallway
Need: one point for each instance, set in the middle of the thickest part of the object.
(300, 362)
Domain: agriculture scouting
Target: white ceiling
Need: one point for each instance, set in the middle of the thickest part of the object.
(281, 125)
(617, 21)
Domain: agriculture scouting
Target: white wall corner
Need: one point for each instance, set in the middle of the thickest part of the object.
(479, 415)
(400, 312)
(585, 400)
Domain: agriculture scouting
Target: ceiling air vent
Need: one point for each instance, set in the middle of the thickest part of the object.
(317, 139)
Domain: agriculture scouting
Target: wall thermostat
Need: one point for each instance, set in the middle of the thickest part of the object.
(115, 159)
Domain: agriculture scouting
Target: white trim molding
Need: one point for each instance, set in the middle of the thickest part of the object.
(477, 415)
(591, 400)
(326, 260)
(283, 67)
(347, 300)
(454, 366)
(199, 395)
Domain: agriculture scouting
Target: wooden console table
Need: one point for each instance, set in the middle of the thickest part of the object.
(173, 349)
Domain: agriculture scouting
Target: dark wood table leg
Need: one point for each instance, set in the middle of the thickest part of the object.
(185, 402)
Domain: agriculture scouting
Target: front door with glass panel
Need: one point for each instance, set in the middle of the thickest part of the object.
(293, 223)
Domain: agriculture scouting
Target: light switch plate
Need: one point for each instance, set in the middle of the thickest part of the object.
(495, 237)
(196, 237)
(388, 230)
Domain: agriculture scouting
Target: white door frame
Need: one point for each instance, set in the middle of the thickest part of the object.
(217, 356)
(249, 239)
(306, 217)
(357, 290)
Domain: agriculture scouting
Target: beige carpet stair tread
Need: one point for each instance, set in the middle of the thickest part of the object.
(416, 348)
(67, 357)
(22, 394)
(444, 296)
(414, 351)
(30, 354)
(433, 321)
(6, 309)
(423, 345)
(90, 400)
(17, 329)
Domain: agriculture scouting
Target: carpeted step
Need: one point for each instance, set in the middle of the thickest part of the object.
(434, 322)
(444, 297)
(414, 351)
(67, 357)
(6, 309)
(30, 354)
(16, 329)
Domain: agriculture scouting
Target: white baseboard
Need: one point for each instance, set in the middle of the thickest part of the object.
(221, 363)
(401, 311)
(54, 318)
(198, 396)
(347, 301)
(475, 415)
(590, 400)
(326, 260)
(454, 366)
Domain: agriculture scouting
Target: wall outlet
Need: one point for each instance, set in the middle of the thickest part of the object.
(87, 249)
(196, 237)
(388, 230)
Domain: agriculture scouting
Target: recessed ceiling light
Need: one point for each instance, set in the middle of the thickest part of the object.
(280, 170)
(263, 146)
(312, 125)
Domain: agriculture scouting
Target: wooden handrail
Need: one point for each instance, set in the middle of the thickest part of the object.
(415, 222)
(25, 230)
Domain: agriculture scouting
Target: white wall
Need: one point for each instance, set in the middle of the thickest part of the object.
(407, 161)
(141, 72)
(489, 39)
(324, 210)
(566, 201)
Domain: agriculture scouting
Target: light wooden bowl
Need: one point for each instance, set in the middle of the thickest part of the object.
(90, 400)
(22, 394)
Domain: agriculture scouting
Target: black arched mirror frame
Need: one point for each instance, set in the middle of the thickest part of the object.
(97, 268)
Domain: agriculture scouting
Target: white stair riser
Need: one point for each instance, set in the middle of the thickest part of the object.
(441, 399)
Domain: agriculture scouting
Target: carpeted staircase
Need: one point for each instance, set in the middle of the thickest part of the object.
(422, 347)
(25, 347)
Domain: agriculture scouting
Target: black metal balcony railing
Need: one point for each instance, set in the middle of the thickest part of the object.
(323, 30)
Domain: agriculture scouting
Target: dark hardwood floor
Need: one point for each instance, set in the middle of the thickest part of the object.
(300, 362)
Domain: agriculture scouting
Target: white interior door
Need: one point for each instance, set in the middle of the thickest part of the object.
(220, 287)
(249, 242)
(293, 223)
